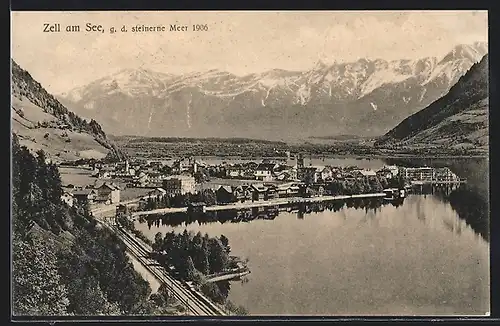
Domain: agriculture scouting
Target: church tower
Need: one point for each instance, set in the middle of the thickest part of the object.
(300, 160)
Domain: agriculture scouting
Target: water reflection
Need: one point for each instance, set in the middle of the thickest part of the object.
(419, 255)
(468, 204)
(266, 213)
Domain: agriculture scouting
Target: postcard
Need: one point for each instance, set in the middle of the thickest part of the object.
(250, 163)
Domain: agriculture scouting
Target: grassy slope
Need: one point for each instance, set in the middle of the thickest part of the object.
(82, 145)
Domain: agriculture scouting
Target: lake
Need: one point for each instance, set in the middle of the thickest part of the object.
(425, 255)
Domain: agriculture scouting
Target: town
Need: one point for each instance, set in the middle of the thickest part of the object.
(190, 181)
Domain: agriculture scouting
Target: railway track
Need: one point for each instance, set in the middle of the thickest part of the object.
(193, 301)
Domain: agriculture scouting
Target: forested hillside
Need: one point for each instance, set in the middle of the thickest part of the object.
(63, 262)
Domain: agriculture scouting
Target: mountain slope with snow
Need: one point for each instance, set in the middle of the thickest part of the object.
(329, 99)
(457, 120)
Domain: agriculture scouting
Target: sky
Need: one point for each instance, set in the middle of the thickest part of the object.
(238, 42)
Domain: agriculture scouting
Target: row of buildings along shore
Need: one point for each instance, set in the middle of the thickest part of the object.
(249, 180)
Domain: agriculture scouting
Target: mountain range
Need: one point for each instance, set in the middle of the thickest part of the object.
(458, 120)
(41, 122)
(365, 98)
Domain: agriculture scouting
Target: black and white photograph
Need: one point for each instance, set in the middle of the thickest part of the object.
(249, 163)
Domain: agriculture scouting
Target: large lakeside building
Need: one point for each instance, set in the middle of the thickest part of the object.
(429, 174)
(179, 185)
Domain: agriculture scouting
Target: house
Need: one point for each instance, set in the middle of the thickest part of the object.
(102, 174)
(264, 171)
(293, 173)
(316, 190)
(123, 167)
(235, 171)
(224, 195)
(68, 198)
(361, 174)
(182, 165)
(179, 184)
(108, 193)
(283, 176)
(280, 168)
(288, 190)
(393, 168)
(155, 178)
(242, 193)
(307, 174)
(272, 191)
(384, 173)
(84, 196)
(141, 180)
(326, 173)
(259, 192)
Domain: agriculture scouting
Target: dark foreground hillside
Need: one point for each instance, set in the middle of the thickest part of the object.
(63, 262)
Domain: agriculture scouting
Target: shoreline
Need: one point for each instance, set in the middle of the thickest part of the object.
(253, 204)
(336, 156)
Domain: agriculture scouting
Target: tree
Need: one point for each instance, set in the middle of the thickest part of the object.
(190, 269)
(225, 242)
(209, 197)
(218, 256)
(163, 297)
(37, 289)
(158, 242)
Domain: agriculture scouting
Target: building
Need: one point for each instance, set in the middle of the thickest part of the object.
(316, 190)
(288, 190)
(108, 193)
(179, 185)
(326, 173)
(272, 191)
(259, 192)
(155, 178)
(393, 168)
(235, 171)
(264, 171)
(300, 161)
(84, 196)
(68, 198)
(385, 173)
(283, 176)
(141, 180)
(425, 174)
(183, 165)
(224, 195)
(307, 174)
(445, 175)
(123, 167)
(242, 193)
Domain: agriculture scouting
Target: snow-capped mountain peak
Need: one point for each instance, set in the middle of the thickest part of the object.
(362, 88)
